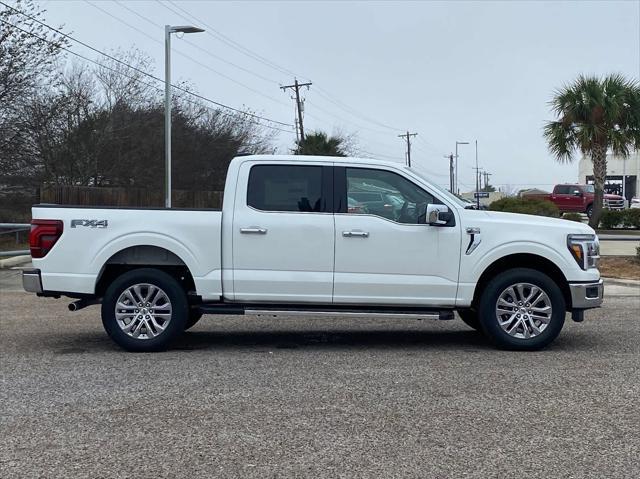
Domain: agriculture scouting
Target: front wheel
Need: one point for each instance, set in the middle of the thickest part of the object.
(589, 211)
(144, 310)
(522, 309)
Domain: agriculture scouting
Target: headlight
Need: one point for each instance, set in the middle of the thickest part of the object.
(585, 249)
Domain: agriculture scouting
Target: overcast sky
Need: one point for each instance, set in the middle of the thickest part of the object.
(447, 70)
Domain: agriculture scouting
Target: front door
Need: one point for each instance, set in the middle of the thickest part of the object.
(283, 233)
(385, 254)
(566, 198)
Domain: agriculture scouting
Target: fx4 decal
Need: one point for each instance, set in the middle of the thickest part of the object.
(89, 223)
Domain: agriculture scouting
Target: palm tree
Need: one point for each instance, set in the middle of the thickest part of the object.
(595, 115)
(318, 143)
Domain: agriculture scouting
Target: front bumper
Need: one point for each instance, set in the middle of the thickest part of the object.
(31, 281)
(586, 295)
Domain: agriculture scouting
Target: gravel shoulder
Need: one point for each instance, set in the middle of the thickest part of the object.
(311, 397)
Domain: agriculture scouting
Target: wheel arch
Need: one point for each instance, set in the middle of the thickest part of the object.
(523, 260)
(143, 256)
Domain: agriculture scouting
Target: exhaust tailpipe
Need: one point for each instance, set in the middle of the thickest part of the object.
(81, 303)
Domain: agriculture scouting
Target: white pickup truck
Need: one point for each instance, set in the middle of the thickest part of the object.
(317, 235)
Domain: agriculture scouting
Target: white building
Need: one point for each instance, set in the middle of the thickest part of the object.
(616, 169)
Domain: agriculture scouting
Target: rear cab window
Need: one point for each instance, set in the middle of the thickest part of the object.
(289, 188)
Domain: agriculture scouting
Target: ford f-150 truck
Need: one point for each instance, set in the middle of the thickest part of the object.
(288, 240)
(570, 198)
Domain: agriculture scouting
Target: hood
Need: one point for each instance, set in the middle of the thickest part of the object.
(533, 220)
(612, 197)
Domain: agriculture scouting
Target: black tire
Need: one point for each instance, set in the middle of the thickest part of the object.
(489, 299)
(470, 318)
(194, 317)
(589, 211)
(175, 294)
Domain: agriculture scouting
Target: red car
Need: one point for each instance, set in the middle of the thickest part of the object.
(579, 199)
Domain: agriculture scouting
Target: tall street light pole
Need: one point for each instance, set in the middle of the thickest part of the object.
(168, 30)
(456, 183)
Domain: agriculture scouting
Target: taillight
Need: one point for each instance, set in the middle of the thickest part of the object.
(43, 235)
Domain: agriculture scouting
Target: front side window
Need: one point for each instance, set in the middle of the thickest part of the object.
(386, 194)
(285, 188)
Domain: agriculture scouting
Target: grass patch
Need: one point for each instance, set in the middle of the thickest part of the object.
(622, 267)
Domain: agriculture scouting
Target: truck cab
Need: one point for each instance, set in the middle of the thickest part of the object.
(579, 198)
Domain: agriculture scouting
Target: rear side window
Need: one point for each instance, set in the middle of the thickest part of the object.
(562, 190)
(286, 188)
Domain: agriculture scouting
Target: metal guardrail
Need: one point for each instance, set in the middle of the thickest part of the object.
(7, 228)
(20, 226)
(15, 253)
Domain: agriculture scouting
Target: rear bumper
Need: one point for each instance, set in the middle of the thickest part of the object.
(586, 295)
(31, 281)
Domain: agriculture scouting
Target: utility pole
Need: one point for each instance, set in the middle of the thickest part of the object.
(486, 178)
(477, 178)
(451, 185)
(408, 136)
(296, 88)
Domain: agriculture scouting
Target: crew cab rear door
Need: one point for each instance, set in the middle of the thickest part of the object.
(283, 233)
(387, 257)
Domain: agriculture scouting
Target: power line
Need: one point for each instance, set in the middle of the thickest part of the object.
(194, 60)
(145, 73)
(323, 93)
(198, 47)
(232, 43)
(352, 111)
(149, 84)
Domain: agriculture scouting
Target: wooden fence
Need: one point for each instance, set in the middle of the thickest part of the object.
(124, 196)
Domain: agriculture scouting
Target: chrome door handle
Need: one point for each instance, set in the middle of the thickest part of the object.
(256, 230)
(351, 234)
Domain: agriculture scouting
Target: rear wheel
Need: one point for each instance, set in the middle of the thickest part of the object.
(522, 309)
(470, 318)
(589, 211)
(144, 310)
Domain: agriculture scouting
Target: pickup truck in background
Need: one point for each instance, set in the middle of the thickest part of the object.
(571, 198)
(299, 235)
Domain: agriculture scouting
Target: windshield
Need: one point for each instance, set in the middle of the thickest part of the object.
(589, 188)
(444, 192)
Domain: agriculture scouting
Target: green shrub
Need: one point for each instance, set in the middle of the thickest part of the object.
(638, 252)
(611, 219)
(572, 217)
(526, 206)
(632, 218)
(620, 219)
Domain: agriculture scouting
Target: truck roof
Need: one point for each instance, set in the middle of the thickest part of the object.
(310, 158)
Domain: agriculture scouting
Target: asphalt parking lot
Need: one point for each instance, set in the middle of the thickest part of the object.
(311, 397)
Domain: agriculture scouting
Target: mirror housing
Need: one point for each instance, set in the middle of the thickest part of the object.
(577, 193)
(438, 215)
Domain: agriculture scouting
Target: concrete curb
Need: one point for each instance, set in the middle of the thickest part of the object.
(14, 261)
(622, 281)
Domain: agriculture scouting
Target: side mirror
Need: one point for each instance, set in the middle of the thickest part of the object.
(438, 215)
(577, 193)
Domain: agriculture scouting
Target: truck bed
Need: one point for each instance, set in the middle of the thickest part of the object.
(93, 236)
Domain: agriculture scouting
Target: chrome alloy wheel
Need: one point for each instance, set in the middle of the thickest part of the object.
(523, 310)
(143, 311)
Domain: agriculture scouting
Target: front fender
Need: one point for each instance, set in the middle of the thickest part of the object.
(479, 264)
